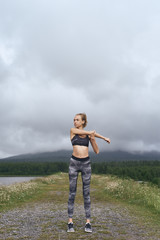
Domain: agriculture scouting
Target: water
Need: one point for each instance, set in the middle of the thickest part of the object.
(11, 180)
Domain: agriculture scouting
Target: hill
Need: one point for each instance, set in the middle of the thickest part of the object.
(64, 156)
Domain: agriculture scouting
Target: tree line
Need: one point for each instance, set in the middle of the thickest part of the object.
(138, 170)
(146, 171)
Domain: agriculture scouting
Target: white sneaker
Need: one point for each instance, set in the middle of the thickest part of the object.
(88, 227)
(70, 227)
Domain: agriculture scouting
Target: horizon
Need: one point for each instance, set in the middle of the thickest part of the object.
(144, 153)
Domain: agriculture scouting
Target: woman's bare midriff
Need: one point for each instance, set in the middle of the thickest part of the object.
(80, 151)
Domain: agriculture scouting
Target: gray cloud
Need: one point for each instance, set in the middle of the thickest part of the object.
(58, 58)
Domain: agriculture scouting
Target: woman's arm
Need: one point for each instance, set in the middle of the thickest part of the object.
(80, 131)
(74, 131)
(93, 143)
(100, 136)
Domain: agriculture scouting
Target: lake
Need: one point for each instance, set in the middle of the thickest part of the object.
(11, 180)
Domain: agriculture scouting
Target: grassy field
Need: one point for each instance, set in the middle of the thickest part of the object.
(106, 186)
(141, 200)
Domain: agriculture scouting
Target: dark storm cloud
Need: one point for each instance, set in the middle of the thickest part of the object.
(58, 58)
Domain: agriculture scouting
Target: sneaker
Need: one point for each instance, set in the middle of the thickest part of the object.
(88, 227)
(70, 227)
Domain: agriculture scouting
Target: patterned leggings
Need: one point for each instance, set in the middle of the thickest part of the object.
(75, 167)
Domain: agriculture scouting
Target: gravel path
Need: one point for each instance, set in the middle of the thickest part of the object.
(47, 221)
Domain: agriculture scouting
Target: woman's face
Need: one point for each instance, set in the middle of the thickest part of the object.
(78, 122)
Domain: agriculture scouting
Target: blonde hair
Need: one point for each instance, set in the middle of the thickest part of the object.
(84, 118)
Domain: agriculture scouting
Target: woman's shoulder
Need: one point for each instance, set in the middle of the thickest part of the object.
(72, 134)
(72, 129)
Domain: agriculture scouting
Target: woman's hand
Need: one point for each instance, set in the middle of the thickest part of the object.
(92, 133)
(107, 140)
(100, 136)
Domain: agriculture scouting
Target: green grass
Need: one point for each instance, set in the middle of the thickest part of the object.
(50, 188)
(17, 194)
(145, 195)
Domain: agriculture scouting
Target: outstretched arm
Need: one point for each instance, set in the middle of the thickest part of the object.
(100, 136)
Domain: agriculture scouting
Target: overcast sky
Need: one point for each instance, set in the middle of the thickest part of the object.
(62, 57)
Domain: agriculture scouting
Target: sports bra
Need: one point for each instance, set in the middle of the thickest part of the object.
(76, 140)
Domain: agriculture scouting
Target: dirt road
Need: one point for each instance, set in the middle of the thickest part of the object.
(49, 221)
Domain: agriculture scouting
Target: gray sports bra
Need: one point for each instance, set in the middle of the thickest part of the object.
(76, 140)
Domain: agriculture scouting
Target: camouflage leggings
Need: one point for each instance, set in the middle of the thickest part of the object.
(75, 167)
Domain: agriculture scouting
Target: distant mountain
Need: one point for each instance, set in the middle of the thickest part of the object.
(40, 157)
(64, 156)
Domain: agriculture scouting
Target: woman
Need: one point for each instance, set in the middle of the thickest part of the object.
(80, 162)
